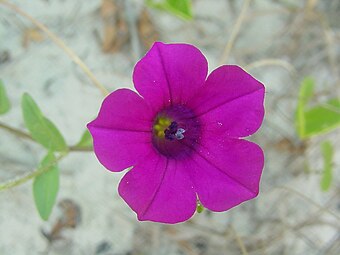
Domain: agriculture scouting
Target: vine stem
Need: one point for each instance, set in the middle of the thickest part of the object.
(26, 177)
(21, 179)
(24, 135)
(16, 132)
(58, 42)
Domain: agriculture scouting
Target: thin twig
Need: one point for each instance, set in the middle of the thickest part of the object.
(132, 20)
(239, 241)
(26, 177)
(60, 43)
(309, 200)
(329, 41)
(271, 62)
(235, 32)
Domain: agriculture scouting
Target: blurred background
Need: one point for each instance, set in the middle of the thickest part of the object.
(293, 47)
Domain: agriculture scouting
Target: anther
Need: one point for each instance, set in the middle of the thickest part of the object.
(174, 132)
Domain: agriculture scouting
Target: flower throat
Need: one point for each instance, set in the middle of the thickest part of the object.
(170, 130)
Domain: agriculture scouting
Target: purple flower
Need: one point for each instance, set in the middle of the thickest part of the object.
(182, 135)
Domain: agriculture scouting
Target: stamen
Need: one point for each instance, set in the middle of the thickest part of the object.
(160, 125)
(174, 132)
(179, 134)
(172, 127)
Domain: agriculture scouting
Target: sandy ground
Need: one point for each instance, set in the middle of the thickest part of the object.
(279, 42)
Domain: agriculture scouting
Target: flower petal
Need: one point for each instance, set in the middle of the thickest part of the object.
(231, 102)
(170, 73)
(226, 172)
(119, 149)
(124, 109)
(159, 189)
(122, 131)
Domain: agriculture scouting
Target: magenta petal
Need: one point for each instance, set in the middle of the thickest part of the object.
(226, 172)
(122, 131)
(119, 149)
(170, 73)
(124, 109)
(181, 135)
(159, 189)
(231, 102)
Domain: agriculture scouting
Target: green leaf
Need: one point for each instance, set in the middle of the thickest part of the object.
(322, 118)
(327, 152)
(306, 92)
(316, 120)
(41, 128)
(180, 8)
(86, 140)
(4, 101)
(46, 186)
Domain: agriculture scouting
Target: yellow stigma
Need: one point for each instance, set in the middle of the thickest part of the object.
(161, 124)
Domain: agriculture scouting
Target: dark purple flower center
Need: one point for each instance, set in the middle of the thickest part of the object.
(176, 131)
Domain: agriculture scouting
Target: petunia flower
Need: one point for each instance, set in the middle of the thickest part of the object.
(181, 133)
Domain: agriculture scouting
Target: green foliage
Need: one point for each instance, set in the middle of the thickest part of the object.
(4, 101)
(41, 128)
(327, 152)
(318, 119)
(85, 140)
(306, 91)
(46, 186)
(179, 8)
(322, 118)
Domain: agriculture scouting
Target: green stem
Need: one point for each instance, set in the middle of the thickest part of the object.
(16, 132)
(24, 135)
(26, 177)
(75, 148)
